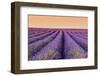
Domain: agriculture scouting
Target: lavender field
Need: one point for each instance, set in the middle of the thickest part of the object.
(52, 44)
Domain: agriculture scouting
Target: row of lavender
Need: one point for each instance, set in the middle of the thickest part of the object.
(47, 44)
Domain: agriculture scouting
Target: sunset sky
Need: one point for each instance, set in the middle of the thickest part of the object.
(39, 21)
